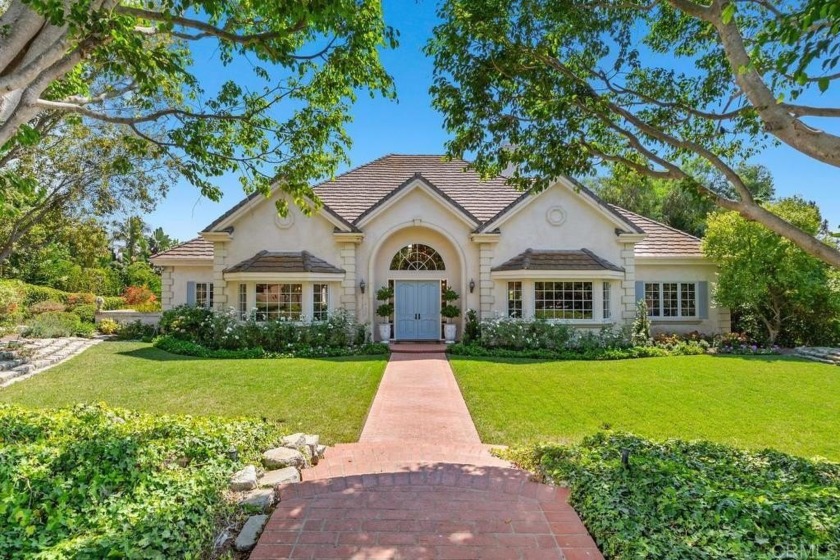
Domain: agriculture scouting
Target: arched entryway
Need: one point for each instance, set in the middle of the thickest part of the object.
(417, 263)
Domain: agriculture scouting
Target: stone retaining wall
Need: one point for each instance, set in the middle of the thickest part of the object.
(128, 316)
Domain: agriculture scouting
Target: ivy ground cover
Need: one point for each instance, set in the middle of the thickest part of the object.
(746, 401)
(92, 482)
(329, 397)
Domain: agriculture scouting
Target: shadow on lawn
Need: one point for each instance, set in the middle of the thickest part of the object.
(653, 359)
(158, 355)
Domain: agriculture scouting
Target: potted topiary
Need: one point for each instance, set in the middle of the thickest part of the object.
(450, 311)
(385, 309)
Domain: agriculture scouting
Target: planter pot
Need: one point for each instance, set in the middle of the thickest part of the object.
(449, 332)
(384, 332)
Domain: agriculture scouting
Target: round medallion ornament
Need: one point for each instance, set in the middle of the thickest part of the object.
(284, 222)
(556, 216)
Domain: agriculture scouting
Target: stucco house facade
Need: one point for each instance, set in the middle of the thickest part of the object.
(421, 224)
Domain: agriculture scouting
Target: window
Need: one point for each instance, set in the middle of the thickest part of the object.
(671, 299)
(417, 257)
(320, 302)
(279, 301)
(514, 306)
(563, 300)
(204, 294)
(243, 301)
(607, 297)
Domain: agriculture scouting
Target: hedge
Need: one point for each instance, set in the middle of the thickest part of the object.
(94, 482)
(187, 348)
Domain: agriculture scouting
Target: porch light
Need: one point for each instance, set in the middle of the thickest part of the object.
(472, 285)
(362, 286)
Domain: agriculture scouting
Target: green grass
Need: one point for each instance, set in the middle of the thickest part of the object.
(750, 402)
(330, 397)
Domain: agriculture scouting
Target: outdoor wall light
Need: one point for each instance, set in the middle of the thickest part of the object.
(472, 285)
(362, 286)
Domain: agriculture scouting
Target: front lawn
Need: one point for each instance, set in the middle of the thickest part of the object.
(750, 402)
(330, 397)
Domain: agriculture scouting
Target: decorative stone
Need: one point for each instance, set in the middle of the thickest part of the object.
(281, 457)
(312, 441)
(246, 479)
(289, 475)
(250, 533)
(320, 450)
(258, 500)
(295, 441)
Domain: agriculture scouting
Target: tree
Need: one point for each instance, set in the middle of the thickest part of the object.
(132, 65)
(160, 241)
(564, 87)
(130, 236)
(674, 203)
(769, 278)
(76, 172)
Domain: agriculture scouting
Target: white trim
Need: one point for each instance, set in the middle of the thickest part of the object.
(418, 183)
(569, 186)
(263, 277)
(556, 274)
(485, 237)
(214, 236)
(679, 317)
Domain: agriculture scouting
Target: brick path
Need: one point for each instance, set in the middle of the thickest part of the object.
(421, 485)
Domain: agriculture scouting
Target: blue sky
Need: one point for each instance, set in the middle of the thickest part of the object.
(410, 125)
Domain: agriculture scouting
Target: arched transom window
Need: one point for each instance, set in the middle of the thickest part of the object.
(417, 257)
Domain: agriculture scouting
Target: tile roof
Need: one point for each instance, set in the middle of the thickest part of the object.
(351, 194)
(662, 240)
(583, 259)
(266, 261)
(198, 248)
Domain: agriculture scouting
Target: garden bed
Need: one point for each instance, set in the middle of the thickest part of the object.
(682, 501)
(93, 482)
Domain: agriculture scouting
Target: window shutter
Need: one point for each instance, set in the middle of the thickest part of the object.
(703, 300)
(640, 291)
(190, 293)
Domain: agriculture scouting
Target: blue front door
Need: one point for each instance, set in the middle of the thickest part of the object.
(417, 312)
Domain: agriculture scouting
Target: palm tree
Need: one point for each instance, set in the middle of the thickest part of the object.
(130, 236)
(159, 241)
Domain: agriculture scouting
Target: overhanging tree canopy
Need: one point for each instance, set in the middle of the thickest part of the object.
(563, 87)
(289, 69)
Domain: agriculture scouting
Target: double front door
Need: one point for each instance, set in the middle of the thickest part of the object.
(417, 309)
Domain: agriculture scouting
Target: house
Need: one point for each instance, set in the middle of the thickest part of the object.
(420, 224)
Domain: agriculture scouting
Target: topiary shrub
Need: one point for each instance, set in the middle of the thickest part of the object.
(108, 326)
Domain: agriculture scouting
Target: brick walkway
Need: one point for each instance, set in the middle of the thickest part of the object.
(420, 484)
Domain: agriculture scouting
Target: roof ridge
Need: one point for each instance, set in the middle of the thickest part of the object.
(657, 222)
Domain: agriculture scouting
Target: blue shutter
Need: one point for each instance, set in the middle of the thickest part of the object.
(190, 293)
(640, 291)
(703, 300)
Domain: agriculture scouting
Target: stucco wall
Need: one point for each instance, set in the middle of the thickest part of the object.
(417, 217)
(183, 274)
(718, 321)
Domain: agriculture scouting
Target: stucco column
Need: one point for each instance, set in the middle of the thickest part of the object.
(348, 285)
(485, 284)
(166, 291)
(220, 295)
(628, 284)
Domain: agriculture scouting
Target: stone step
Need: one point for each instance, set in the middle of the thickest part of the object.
(824, 355)
(6, 365)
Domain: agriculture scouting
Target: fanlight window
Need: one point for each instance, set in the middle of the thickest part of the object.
(417, 257)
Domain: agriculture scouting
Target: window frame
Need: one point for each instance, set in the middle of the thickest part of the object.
(515, 305)
(606, 300)
(290, 314)
(320, 291)
(408, 258)
(206, 291)
(677, 289)
(566, 287)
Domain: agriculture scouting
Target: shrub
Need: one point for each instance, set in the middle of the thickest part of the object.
(138, 295)
(137, 331)
(188, 348)
(55, 324)
(11, 300)
(148, 307)
(472, 328)
(108, 326)
(113, 302)
(741, 343)
(640, 332)
(94, 482)
(86, 312)
(47, 306)
(682, 501)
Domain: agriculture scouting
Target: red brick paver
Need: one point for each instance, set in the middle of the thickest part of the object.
(421, 485)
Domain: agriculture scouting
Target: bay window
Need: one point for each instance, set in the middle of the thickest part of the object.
(563, 300)
(279, 301)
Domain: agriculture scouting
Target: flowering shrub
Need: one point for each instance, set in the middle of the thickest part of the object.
(521, 334)
(741, 343)
(224, 330)
(138, 295)
(10, 305)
